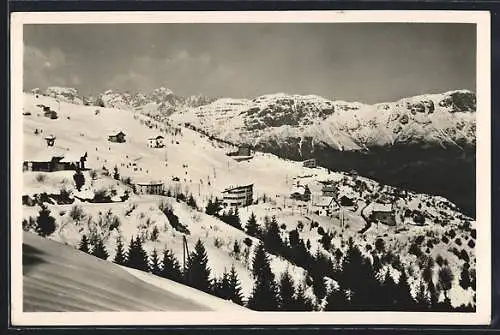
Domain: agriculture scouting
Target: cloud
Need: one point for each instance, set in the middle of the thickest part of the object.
(146, 72)
(47, 68)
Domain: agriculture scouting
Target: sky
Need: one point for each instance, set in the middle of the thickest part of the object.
(366, 62)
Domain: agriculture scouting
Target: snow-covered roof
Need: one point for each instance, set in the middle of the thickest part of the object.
(378, 207)
(44, 155)
(72, 157)
(149, 183)
(84, 194)
(323, 201)
(230, 188)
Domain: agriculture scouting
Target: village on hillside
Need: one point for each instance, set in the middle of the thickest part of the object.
(96, 178)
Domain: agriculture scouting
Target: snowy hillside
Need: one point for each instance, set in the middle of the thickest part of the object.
(59, 278)
(196, 165)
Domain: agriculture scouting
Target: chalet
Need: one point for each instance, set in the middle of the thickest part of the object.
(346, 201)
(310, 163)
(118, 137)
(301, 192)
(50, 140)
(383, 213)
(156, 142)
(51, 161)
(51, 114)
(244, 150)
(150, 187)
(237, 196)
(326, 206)
(329, 191)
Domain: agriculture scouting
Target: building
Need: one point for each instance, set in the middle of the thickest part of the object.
(118, 137)
(383, 213)
(244, 150)
(237, 196)
(301, 192)
(326, 206)
(346, 201)
(156, 142)
(50, 140)
(150, 187)
(310, 163)
(329, 191)
(51, 161)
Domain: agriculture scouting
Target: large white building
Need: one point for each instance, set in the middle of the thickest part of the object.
(237, 196)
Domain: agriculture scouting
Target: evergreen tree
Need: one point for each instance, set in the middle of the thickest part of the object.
(79, 179)
(213, 207)
(272, 238)
(197, 271)
(252, 228)
(403, 293)
(170, 267)
(99, 250)
(301, 302)
(84, 244)
(465, 280)
(236, 222)
(422, 298)
(116, 174)
(45, 223)
(191, 202)
(264, 294)
(221, 287)
(336, 301)
(120, 257)
(235, 287)
(445, 280)
(387, 294)
(155, 234)
(137, 257)
(286, 292)
(236, 248)
(154, 264)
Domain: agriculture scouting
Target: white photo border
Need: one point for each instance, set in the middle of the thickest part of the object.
(482, 316)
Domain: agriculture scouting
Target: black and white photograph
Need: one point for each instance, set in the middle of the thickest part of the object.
(232, 168)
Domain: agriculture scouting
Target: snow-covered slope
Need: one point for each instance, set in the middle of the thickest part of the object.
(201, 167)
(57, 277)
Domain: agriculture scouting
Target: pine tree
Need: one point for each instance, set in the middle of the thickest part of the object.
(79, 179)
(191, 202)
(445, 280)
(236, 249)
(154, 264)
(154, 234)
(252, 228)
(120, 256)
(137, 257)
(336, 301)
(170, 267)
(272, 238)
(301, 302)
(235, 287)
(221, 286)
(116, 174)
(403, 293)
(286, 292)
(99, 250)
(45, 224)
(465, 280)
(264, 294)
(422, 298)
(84, 244)
(197, 271)
(235, 219)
